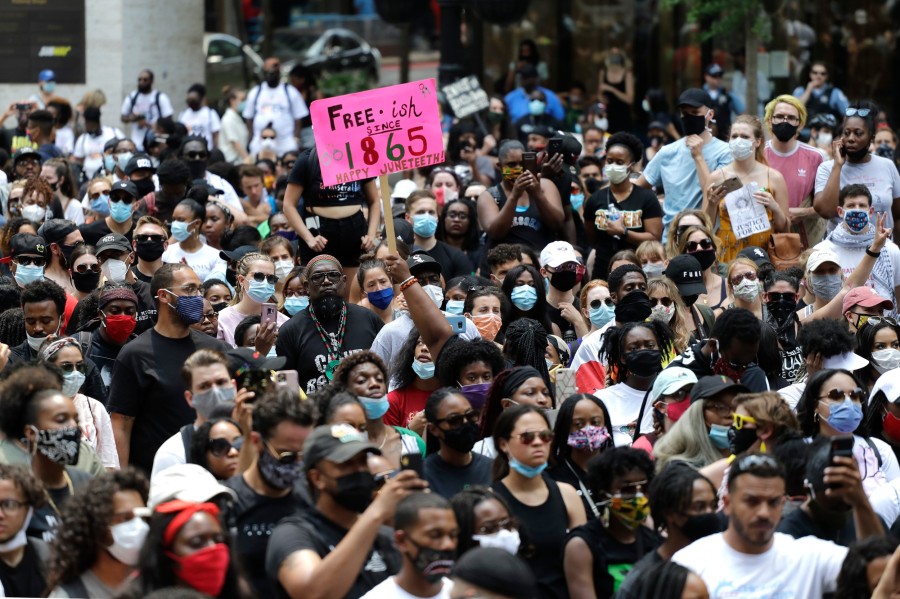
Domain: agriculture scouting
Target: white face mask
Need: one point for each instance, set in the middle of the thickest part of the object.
(282, 268)
(508, 540)
(746, 290)
(114, 270)
(886, 359)
(741, 148)
(128, 538)
(602, 123)
(616, 173)
(20, 539)
(436, 294)
(824, 139)
(662, 313)
(34, 213)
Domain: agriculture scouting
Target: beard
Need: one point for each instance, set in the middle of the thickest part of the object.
(328, 306)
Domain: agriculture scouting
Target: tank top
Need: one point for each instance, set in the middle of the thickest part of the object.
(527, 227)
(543, 529)
(617, 112)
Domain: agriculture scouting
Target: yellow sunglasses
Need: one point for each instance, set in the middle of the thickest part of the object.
(739, 420)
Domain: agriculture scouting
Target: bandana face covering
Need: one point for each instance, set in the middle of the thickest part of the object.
(59, 445)
(630, 511)
(589, 439)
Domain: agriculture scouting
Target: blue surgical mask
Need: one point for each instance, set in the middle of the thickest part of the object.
(601, 315)
(375, 407)
(424, 225)
(718, 434)
(537, 107)
(455, 307)
(180, 230)
(845, 416)
(526, 471)
(50, 87)
(101, 205)
(120, 211)
(293, 305)
(382, 298)
(423, 370)
(524, 297)
(577, 200)
(109, 163)
(260, 291)
(29, 273)
(123, 159)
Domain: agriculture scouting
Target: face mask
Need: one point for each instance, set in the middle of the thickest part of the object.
(589, 439)
(602, 124)
(282, 268)
(119, 327)
(189, 308)
(891, 426)
(507, 540)
(718, 435)
(34, 213)
(653, 269)
(511, 173)
(207, 401)
(694, 124)
(601, 315)
(50, 87)
(20, 539)
(643, 362)
(268, 144)
(456, 307)
(886, 359)
(423, 370)
(645, 104)
(28, 273)
(114, 270)
(630, 512)
(524, 297)
(741, 148)
(289, 235)
(354, 491)
(784, 131)
(488, 325)
(701, 525)
(424, 225)
(109, 163)
(495, 117)
(824, 139)
(462, 438)
(433, 564)
(476, 394)
(825, 287)
(204, 570)
(634, 307)
(436, 294)
(197, 168)
(260, 291)
(845, 416)
(382, 298)
(59, 445)
(856, 220)
(101, 205)
(662, 313)
(858, 155)
(181, 231)
(144, 186)
(782, 309)
(706, 258)
(616, 173)
(537, 107)
(72, 382)
(741, 440)
(128, 539)
(564, 280)
(328, 306)
(150, 251)
(276, 474)
(85, 282)
(122, 160)
(119, 211)
(293, 305)
(577, 200)
(746, 290)
(375, 407)
(526, 471)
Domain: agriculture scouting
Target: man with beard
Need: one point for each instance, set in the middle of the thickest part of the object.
(275, 105)
(315, 340)
(341, 546)
(143, 107)
(750, 559)
(195, 154)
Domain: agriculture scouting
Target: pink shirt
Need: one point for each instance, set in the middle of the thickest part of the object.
(230, 318)
(798, 167)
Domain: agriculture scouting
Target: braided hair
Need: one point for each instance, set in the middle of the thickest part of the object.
(243, 267)
(526, 345)
(613, 348)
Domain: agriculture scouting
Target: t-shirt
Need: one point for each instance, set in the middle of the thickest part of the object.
(624, 403)
(93, 232)
(878, 174)
(447, 480)
(233, 129)
(799, 524)
(170, 453)
(554, 315)
(93, 585)
(389, 589)
(90, 149)
(315, 532)
(26, 578)
(202, 123)
(453, 262)
(643, 565)
(798, 167)
(404, 404)
(202, 262)
(152, 105)
(640, 205)
(281, 106)
(300, 343)
(527, 226)
(147, 385)
(46, 519)
(306, 172)
(252, 518)
(887, 265)
(794, 568)
(673, 166)
(230, 318)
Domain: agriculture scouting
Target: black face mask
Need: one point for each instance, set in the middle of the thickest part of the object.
(783, 308)
(784, 131)
(701, 525)
(231, 275)
(739, 441)
(593, 185)
(197, 169)
(706, 258)
(150, 251)
(354, 491)
(328, 306)
(273, 78)
(693, 124)
(67, 251)
(219, 306)
(643, 362)
(144, 186)
(461, 438)
(433, 564)
(85, 282)
(564, 280)
(634, 307)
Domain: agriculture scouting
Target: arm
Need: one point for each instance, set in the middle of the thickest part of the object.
(242, 413)
(497, 222)
(122, 425)
(844, 474)
(652, 232)
(574, 505)
(374, 201)
(291, 197)
(781, 198)
(546, 196)
(807, 92)
(825, 202)
(590, 223)
(578, 563)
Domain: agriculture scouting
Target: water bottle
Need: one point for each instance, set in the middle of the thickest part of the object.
(612, 213)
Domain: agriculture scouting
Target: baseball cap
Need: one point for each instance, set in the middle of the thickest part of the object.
(889, 382)
(237, 253)
(187, 482)
(558, 253)
(125, 186)
(671, 380)
(137, 162)
(26, 244)
(26, 153)
(684, 270)
(847, 360)
(246, 358)
(694, 97)
(47, 75)
(56, 229)
(710, 386)
(403, 188)
(420, 261)
(403, 230)
(113, 241)
(496, 571)
(92, 114)
(335, 443)
(865, 297)
(656, 125)
(820, 257)
(757, 254)
(714, 69)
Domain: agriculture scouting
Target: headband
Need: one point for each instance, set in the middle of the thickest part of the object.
(517, 376)
(321, 258)
(111, 294)
(186, 510)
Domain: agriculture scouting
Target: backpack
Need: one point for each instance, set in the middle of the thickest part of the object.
(134, 98)
(785, 250)
(286, 93)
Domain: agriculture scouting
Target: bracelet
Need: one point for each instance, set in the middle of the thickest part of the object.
(407, 283)
(871, 253)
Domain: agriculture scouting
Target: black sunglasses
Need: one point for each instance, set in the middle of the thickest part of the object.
(83, 268)
(72, 366)
(259, 277)
(149, 238)
(597, 303)
(30, 261)
(196, 155)
(838, 395)
(691, 246)
(221, 447)
(457, 420)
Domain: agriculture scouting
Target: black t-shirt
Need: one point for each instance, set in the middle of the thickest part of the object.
(447, 480)
(94, 231)
(46, 519)
(306, 172)
(252, 518)
(613, 560)
(26, 579)
(147, 385)
(317, 533)
(141, 276)
(300, 343)
(453, 262)
(565, 327)
(640, 205)
(799, 524)
(643, 565)
(527, 228)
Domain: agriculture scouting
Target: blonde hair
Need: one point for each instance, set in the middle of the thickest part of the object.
(683, 241)
(679, 322)
(687, 440)
(94, 98)
(671, 249)
(756, 126)
(769, 407)
(786, 99)
(243, 267)
(96, 180)
(650, 248)
(739, 261)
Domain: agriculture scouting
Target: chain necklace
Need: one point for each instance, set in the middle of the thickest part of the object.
(332, 344)
(70, 487)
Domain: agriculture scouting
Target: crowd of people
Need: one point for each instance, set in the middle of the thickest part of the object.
(590, 365)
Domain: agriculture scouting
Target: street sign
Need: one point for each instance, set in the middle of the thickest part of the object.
(466, 96)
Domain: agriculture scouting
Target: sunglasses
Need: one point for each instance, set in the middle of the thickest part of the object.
(96, 195)
(83, 268)
(595, 304)
(196, 155)
(124, 198)
(755, 460)
(457, 420)
(285, 457)
(839, 395)
(691, 246)
(739, 420)
(222, 447)
(865, 319)
(736, 279)
(528, 437)
(774, 296)
(319, 277)
(259, 277)
(861, 112)
(73, 366)
(210, 316)
(665, 301)
(30, 261)
(149, 238)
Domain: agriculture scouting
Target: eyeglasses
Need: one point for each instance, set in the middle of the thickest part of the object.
(458, 215)
(222, 447)
(259, 277)
(196, 155)
(96, 195)
(860, 112)
(781, 118)
(210, 316)
(285, 457)
(457, 420)
(836, 394)
(719, 408)
(739, 420)
(8, 506)
(73, 366)
(319, 277)
(691, 246)
(528, 437)
(83, 268)
(149, 238)
(665, 301)
(736, 279)
(631, 489)
(188, 290)
(30, 261)
(595, 304)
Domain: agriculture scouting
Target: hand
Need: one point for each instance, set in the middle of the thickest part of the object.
(767, 199)
(367, 244)
(888, 586)
(522, 184)
(468, 155)
(490, 142)
(881, 234)
(317, 243)
(695, 143)
(4, 355)
(570, 313)
(242, 413)
(844, 475)
(810, 86)
(836, 146)
(715, 193)
(795, 215)
(400, 302)
(266, 336)
(553, 166)
(417, 423)
(403, 485)
(814, 363)
(397, 267)
(615, 227)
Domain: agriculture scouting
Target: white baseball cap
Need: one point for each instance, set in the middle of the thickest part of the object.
(187, 482)
(847, 361)
(558, 253)
(889, 382)
(820, 257)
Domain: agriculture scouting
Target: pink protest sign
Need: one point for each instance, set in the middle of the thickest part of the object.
(377, 132)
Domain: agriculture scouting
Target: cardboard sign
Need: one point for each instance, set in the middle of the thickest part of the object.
(376, 132)
(466, 96)
(746, 214)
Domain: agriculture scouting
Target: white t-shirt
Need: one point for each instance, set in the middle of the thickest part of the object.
(624, 403)
(791, 568)
(281, 106)
(878, 174)
(886, 501)
(203, 261)
(145, 104)
(203, 123)
(170, 453)
(230, 197)
(65, 139)
(792, 394)
(389, 589)
(233, 129)
(849, 259)
(90, 148)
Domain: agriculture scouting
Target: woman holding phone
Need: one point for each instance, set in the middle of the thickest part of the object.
(253, 296)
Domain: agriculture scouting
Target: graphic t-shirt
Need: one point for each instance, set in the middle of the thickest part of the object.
(878, 174)
(202, 123)
(624, 403)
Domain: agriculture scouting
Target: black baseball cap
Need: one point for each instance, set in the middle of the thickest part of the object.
(26, 244)
(710, 386)
(138, 162)
(237, 253)
(715, 69)
(245, 358)
(420, 261)
(56, 229)
(124, 186)
(26, 152)
(113, 241)
(757, 254)
(684, 270)
(336, 443)
(694, 97)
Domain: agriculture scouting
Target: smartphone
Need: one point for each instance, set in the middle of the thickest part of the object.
(843, 151)
(554, 146)
(23, 107)
(289, 380)
(257, 381)
(841, 446)
(269, 314)
(458, 323)
(730, 184)
(565, 384)
(529, 161)
(412, 461)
